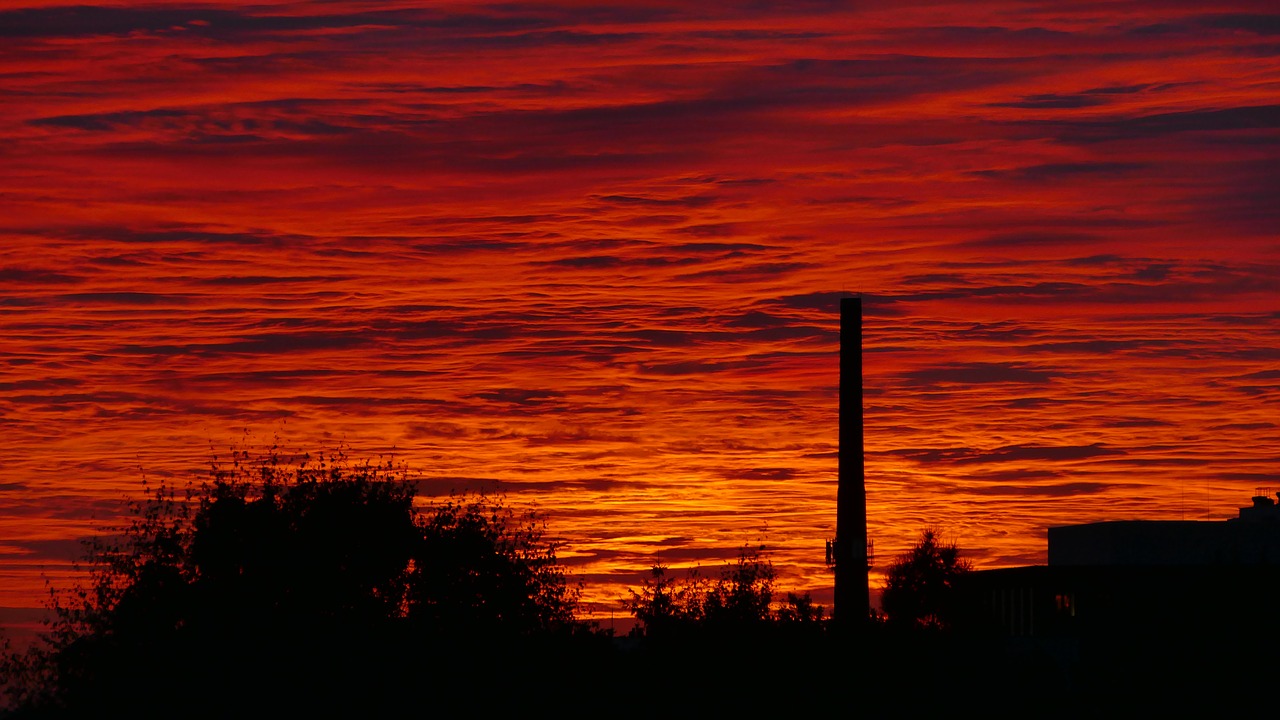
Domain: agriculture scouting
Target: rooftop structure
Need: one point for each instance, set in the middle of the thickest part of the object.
(1253, 538)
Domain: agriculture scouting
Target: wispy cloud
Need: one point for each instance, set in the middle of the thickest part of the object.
(593, 257)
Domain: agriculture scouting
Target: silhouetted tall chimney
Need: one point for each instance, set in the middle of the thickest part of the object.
(853, 595)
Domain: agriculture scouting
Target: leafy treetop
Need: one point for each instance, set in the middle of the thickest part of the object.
(301, 570)
(920, 586)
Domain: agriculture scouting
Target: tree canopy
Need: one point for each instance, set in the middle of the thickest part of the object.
(920, 584)
(299, 575)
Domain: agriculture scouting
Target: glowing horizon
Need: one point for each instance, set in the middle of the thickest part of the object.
(592, 256)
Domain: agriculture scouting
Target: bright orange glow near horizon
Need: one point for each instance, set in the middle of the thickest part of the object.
(591, 256)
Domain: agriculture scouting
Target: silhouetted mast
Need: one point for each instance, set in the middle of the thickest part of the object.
(853, 596)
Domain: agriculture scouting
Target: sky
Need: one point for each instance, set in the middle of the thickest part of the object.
(590, 255)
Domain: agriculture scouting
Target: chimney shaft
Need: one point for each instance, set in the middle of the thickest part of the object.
(852, 597)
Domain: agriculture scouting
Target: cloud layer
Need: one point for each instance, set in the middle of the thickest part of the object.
(592, 256)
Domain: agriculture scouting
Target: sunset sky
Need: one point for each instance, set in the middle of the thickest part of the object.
(591, 255)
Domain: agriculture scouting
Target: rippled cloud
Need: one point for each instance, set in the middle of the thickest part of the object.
(592, 258)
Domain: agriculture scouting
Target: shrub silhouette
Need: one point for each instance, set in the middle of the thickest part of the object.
(306, 584)
(740, 598)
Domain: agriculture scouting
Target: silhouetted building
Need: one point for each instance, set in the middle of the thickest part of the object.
(1251, 539)
(1136, 571)
(1148, 594)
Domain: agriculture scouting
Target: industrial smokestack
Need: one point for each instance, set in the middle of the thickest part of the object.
(853, 594)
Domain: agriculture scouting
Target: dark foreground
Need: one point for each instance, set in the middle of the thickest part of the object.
(875, 673)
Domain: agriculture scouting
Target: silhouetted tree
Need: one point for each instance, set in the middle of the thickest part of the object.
(664, 604)
(739, 598)
(298, 578)
(694, 629)
(482, 569)
(920, 585)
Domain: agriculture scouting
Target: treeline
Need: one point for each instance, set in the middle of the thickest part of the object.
(320, 587)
